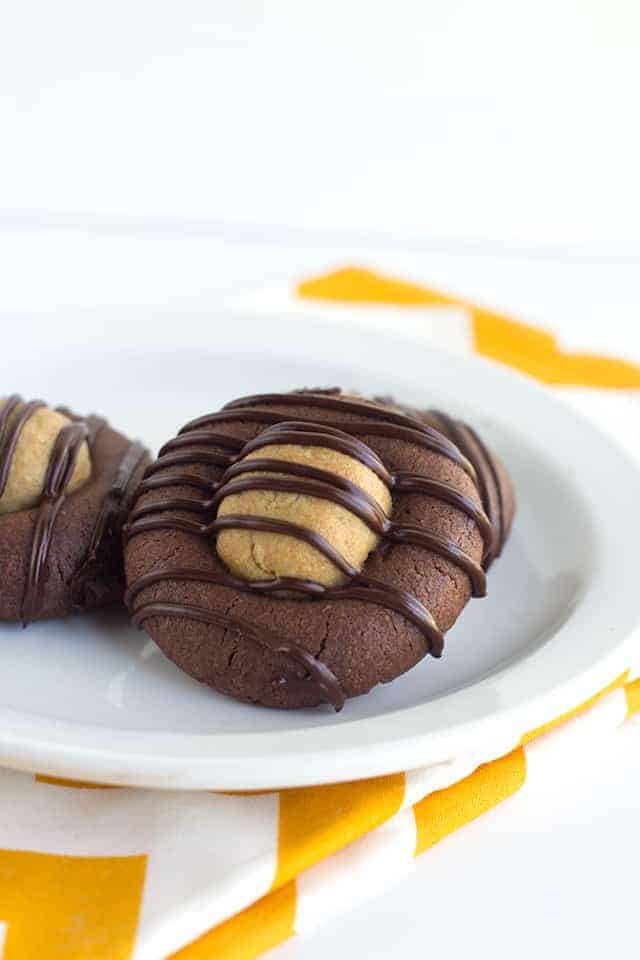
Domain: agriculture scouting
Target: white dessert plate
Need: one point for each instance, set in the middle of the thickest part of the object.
(91, 698)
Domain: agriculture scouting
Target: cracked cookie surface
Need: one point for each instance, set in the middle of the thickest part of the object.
(286, 638)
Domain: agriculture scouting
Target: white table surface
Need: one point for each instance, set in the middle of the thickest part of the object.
(553, 871)
(493, 122)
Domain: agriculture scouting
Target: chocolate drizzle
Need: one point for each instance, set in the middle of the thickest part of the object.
(394, 425)
(411, 432)
(486, 473)
(14, 416)
(117, 493)
(60, 469)
(10, 432)
(308, 665)
(244, 471)
(319, 435)
(109, 519)
(366, 589)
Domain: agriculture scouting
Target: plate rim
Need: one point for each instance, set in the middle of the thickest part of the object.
(288, 758)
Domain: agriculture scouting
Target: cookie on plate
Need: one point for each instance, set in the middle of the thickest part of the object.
(299, 548)
(65, 487)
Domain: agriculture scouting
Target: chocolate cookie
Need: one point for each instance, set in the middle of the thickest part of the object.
(300, 548)
(65, 490)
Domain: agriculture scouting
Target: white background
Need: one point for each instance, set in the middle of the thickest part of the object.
(162, 156)
(512, 123)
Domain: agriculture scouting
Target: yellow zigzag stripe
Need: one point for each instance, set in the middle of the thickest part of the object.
(445, 811)
(315, 822)
(570, 714)
(496, 334)
(76, 784)
(632, 693)
(263, 925)
(71, 907)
